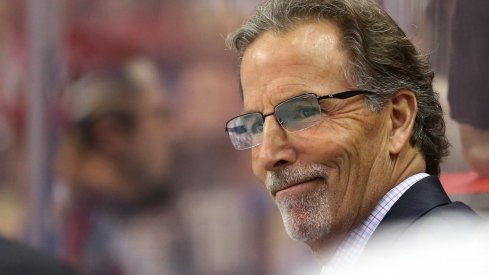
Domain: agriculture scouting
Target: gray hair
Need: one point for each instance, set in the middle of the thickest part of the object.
(382, 59)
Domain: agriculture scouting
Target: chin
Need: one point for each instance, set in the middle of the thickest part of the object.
(307, 234)
(307, 218)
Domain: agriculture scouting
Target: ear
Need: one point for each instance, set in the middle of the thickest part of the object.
(403, 115)
(111, 138)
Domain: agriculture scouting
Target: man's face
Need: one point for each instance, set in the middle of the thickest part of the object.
(324, 179)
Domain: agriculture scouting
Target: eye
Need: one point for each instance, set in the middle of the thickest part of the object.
(306, 112)
(300, 112)
(238, 130)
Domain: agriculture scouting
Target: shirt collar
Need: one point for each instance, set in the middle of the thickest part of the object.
(350, 249)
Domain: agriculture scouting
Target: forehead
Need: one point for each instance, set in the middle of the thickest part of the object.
(308, 57)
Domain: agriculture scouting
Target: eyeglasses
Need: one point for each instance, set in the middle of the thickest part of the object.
(294, 114)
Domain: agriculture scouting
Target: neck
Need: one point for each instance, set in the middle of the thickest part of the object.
(407, 163)
(323, 251)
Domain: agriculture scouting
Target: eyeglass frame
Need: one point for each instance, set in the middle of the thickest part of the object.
(340, 95)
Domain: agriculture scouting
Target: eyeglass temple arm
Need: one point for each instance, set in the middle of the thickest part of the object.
(347, 94)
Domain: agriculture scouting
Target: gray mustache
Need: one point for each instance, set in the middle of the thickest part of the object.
(280, 179)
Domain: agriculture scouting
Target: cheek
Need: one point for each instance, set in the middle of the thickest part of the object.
(352, 138)
(152, 142)
(328, 145)
(348, 147)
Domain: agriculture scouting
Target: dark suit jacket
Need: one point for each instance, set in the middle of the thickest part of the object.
(425, 231)
(18, 259)
(426, 209)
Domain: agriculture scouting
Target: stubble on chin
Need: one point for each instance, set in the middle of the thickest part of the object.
(306, 216)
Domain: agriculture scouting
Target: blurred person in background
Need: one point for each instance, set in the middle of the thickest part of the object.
(468, 83)
(345, 130)
(114, 159)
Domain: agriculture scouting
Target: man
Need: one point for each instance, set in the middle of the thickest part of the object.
(345, 129)
(115, 158)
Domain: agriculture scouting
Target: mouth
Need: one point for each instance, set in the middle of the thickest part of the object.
(295, 185)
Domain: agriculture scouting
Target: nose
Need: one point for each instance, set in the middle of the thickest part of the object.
(275, 150)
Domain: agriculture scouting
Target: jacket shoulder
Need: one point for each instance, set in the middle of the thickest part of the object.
(19, 259)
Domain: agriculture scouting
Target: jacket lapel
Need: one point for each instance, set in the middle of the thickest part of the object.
(418, 200)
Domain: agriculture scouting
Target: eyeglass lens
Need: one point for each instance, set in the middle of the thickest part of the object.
(294, 114)
(299, 112)
(245, 131)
